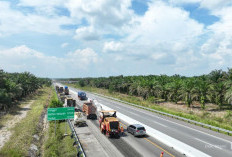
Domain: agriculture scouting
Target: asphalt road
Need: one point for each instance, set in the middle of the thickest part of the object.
(131, 146)
(209, 142)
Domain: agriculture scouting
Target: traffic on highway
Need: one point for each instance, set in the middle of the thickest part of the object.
(129, 131)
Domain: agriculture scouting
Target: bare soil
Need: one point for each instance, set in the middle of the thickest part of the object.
(5, 130)
(195, 108)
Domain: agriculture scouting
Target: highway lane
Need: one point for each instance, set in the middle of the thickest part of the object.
(209, 144)
(129, 145)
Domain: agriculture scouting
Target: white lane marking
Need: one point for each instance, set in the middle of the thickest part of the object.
(189, 151)
(212, 146)
(167, 120)
(159, 123)
(174, 122)
(117, 107)
(147, 119)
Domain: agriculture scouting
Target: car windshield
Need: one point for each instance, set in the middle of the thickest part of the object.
(141, 128)
(113, 125)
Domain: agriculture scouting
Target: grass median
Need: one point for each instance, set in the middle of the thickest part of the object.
(224, 122)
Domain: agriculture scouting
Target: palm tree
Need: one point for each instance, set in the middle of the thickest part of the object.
(174, 88)
(187, 91)
(218, 91)
(202, 91)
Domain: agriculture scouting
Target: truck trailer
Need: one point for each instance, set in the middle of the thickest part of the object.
(66, 90)
(90, 110)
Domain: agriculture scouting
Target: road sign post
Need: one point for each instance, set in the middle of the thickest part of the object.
(61, 113)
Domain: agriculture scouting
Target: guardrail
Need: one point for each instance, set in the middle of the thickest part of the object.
(77, 141)
(170, 115)
(80, 150)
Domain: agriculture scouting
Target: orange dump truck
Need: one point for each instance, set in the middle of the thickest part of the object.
(109, 124)
(90, 110)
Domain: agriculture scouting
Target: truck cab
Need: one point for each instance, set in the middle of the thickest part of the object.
(66, 90)
(82, 95)
(109, 124)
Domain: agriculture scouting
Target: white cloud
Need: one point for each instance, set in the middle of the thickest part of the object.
(218, 48)
(87, 33)
(44, 7)
(207, 4)
(103, 16)
(22, 58)
(83, 57)
(112, 46)
(165, 37)
(101, 12)
(64, 45)
(215, 4)
(14, 21)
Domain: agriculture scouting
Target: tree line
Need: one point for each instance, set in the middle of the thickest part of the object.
(215, 87)
(15, 86)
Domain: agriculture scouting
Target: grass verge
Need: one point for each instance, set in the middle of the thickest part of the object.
(22, 133)
(58, 145)
(225, 123)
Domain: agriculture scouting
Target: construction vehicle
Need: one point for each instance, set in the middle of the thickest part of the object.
(62, 97)
(82, 95)
(109, 124)
(79, 119)
(70, 102)
(66, 90)
(90, 110)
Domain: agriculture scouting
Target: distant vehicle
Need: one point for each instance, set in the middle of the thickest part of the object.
(57, 88)
(136, 130)
(90, 110)
(61, 89)
(66, 90)
(82, 95)
(70, 102)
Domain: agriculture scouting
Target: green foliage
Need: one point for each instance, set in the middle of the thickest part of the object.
(228, 114)
(55, 103)
(14, 86)
(22, 134)
(216, 87)
(59, 145)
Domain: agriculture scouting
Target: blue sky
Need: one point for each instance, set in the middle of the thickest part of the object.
(80, 38)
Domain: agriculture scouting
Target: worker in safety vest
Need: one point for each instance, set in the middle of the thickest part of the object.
(122, 130)
(162, 153)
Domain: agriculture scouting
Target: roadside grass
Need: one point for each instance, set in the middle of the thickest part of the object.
(204, 117)
(15, 108)
(22, 133)
(58, 145)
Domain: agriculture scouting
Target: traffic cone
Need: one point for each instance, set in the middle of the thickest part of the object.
(162, 153)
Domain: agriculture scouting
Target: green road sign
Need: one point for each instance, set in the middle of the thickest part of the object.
(60, 113)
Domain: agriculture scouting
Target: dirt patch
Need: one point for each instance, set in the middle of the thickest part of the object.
(5, 132)
(195, 108)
